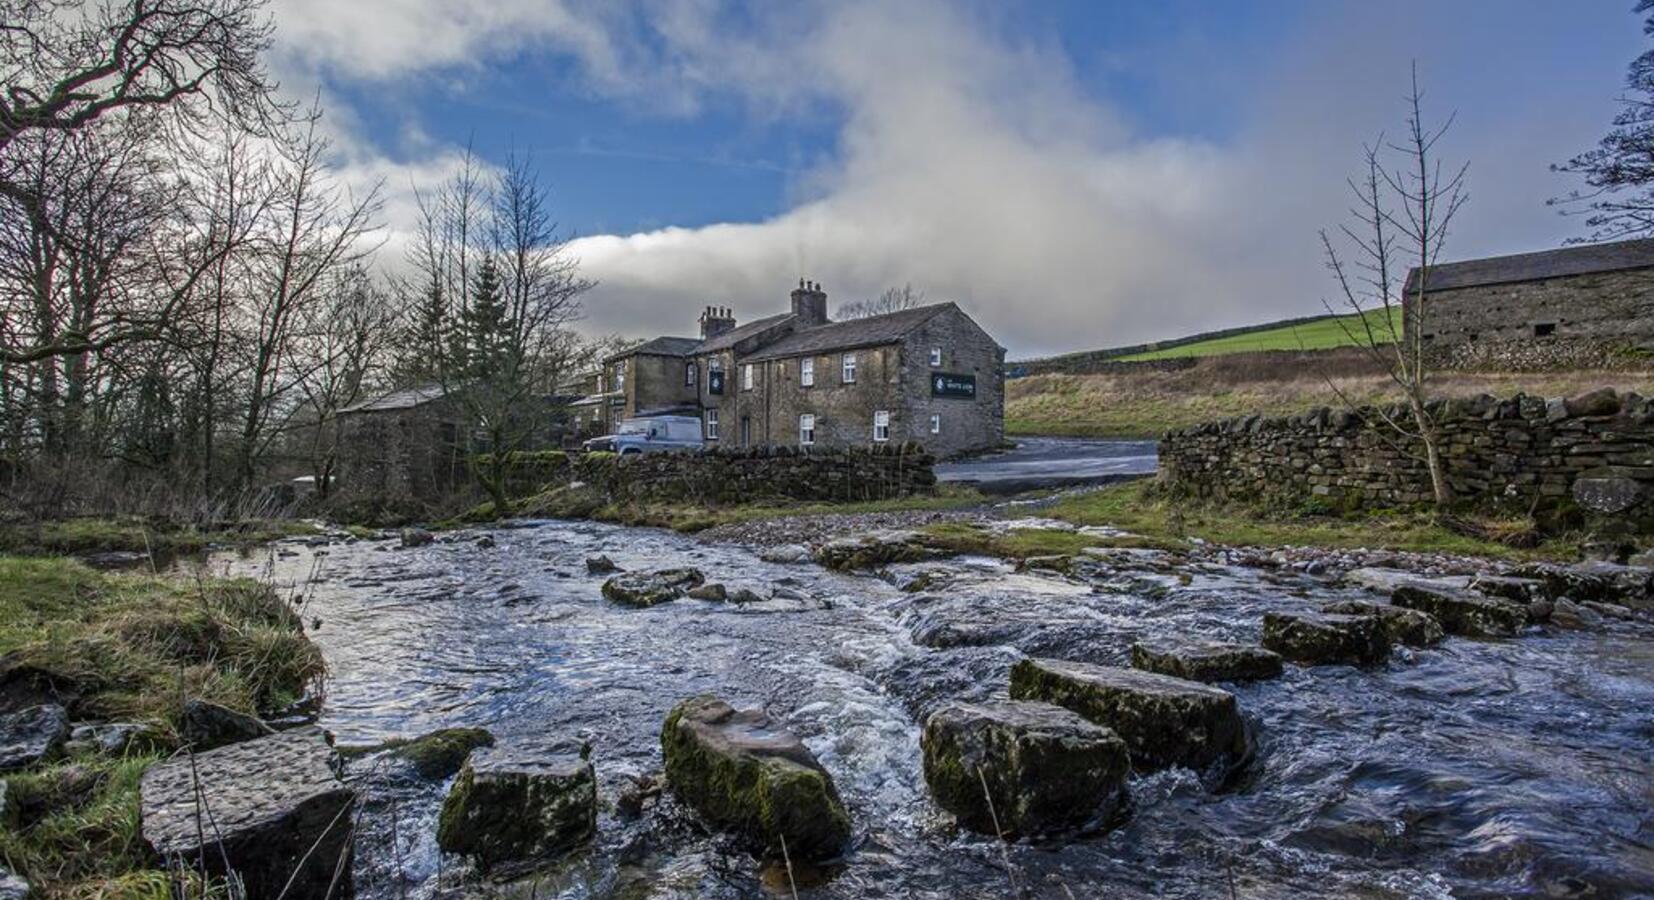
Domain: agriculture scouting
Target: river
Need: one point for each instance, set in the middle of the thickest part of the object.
(1520, 767)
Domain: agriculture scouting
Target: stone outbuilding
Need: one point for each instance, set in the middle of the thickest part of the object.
(1574, 306)
(929, 375)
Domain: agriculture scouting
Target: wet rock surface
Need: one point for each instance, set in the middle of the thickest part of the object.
(1020, 769)
(1464, 614)
(652, 588)
(1205, 660)
(519, 804)
(208, 725)
(1327, 638)
(870, 551)
(442, 752)
(31, 735)
(741, 771)
(12, 886)
(271, 809)
(1164, 721)
(1407, 627)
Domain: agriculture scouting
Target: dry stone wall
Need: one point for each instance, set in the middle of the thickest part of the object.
(715, 477)
(1592, 454)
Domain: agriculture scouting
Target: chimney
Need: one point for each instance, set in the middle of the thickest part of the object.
(715, 321)
(810, 304)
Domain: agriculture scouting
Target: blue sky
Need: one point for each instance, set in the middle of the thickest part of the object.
(1076, 174)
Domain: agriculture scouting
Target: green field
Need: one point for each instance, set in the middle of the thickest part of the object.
(1322, 334)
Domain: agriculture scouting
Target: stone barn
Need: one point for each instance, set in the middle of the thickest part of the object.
(401, 448)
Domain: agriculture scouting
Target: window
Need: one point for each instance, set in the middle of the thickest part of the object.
(806, 430)
(881, 426)
(807, 372)
(690, 377)
(1544, 329)
(714, 376)
(936, 424)
(936, 357)
(711, 424)
(746, 377)
(620, 378)
(849, 368)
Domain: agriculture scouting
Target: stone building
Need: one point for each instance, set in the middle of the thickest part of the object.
(929, 375)
(1572, 306)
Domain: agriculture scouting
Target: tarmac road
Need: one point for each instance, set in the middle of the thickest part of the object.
(1049, 462)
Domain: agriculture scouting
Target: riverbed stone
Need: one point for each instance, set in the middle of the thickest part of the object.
(787, 554)
(443, 752)
(1408, 627)
(742, 772)
(1205, 660)
(651, 588)
(207, 725)
(415, 537)
(1597, 580)
(1164, 721)
(712, 591)
(600, 565)
(520, 804)
(1463, 614)
(271, 809)
(1327, 638)
(1023, 769)
(32, 735)
(871, 551)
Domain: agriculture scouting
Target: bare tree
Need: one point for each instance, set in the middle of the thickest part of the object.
(1401, 218)
(893, 299)
(341, 354)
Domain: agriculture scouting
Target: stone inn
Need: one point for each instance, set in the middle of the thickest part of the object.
(928, 375)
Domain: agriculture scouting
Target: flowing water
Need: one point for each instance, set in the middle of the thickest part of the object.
(1519, 767)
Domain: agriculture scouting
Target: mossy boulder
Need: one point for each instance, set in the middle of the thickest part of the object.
(651, 588)
(207, 725)
(1463, 614)
(1164, 721)
(442, 752)
(1205, 660)
(1600, 581)
(1408, 627)
(744, 773)
(1327, 638)
(519, 804)
(1023, 769)
(871, 551)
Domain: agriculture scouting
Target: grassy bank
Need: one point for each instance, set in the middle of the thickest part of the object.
(97, 535)
(578, 503)
(128, 648)
(1147, 404)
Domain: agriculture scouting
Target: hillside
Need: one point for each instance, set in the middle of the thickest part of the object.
(1326, 333)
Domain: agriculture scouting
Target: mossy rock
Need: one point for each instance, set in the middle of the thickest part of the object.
(872, 551)
(1463, 614)
(522, 804)
(745, 774)
(651, 588)
(1164, 721)
(1023, 769)
(1408, 627)
(442, 752)
(1326, 639)
(1206, 661)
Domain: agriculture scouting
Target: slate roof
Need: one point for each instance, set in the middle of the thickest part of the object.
(850, 334)
(407, 398)
(661, 346)
(741, 332)
(1584, 259)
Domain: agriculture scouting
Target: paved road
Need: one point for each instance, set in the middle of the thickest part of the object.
(1047, 462)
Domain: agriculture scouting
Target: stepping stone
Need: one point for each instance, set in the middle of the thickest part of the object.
(1323, 638)
(519, 804)
(746, 774)
(651, 588)
(32, 735)
(600, 565)
(1205, 660)
(1464, 614)
(870, 551)
(273, 809)
(1020, 769)
(1164, 721)
(1408, 627)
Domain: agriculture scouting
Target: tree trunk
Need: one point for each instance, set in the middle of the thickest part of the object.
(1442, 493)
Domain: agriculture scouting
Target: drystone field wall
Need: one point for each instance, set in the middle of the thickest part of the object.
(1593, 453)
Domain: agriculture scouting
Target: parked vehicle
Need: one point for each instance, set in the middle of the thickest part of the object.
(651, 435)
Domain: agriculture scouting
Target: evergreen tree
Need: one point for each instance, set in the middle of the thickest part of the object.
(1619, 172)
(484, 330)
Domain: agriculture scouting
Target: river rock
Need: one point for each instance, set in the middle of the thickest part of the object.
(441, 753)
(32, 735)
(1598, 580)
(520, 804)
(715, 592)
(1019, 769)
(651, 588)
(1408, 627)
(1323, 638)
(274, 810)
(12, 887)
(1164, 721)
(1205, 660)
(207, 725)
(787, 554)
(745, 773)
(416, 537)
(1464, 614)
(1061, 564)
(871, 551)
(1385, 580)
(600, 565)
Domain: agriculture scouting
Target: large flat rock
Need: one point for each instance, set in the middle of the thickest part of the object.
(870, 551)
(1164, 721)
(31, 735)
(270, 809)
(651, 588)
(1408, 627)
(744, 773)
(1327, 638)
(1020, 769)
(1464, 614)
(519, 803)
(1205, 660)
